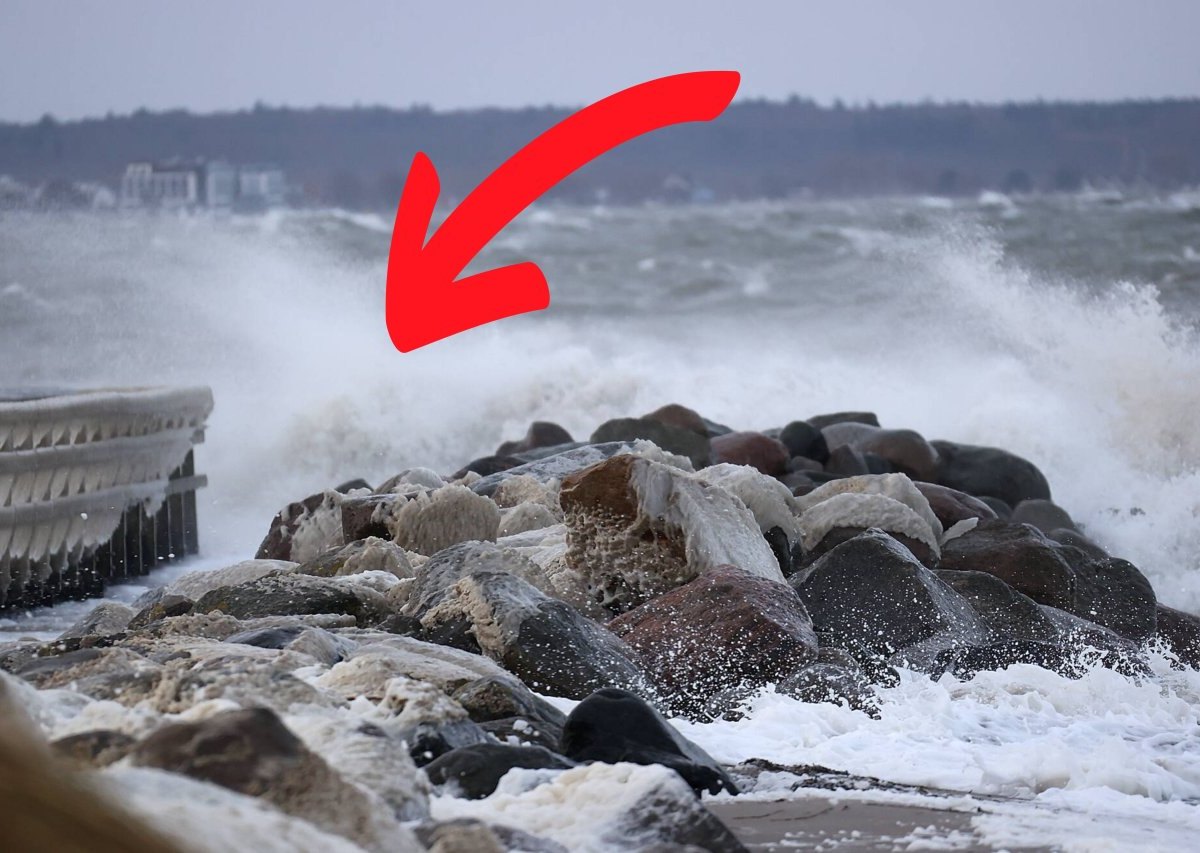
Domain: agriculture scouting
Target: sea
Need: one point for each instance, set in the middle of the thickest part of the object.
(1065, 328)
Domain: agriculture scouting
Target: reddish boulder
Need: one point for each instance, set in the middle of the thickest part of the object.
(304, 529)
(539, 434)
(907, 451)
(768, 455)
(710, 641)
(952, 506)
(680, 417)
(1017, 554)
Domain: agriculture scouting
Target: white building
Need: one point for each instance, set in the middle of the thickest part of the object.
(214, 184)
(261, 186)
(170, 185)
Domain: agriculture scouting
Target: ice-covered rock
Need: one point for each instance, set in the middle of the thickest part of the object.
(208, 818)
(600, 808)
(431, 521)
(252, 752)
(637, 528)
(371, 554)
(768, 500)
(525, 517)
(365, 754)
(889, 502)
(194, 585)
(302, 530)
(543, 641)
(381, 657)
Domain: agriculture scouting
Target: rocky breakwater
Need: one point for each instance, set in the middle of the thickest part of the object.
(377, 678)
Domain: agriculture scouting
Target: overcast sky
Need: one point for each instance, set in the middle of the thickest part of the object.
(74, 58)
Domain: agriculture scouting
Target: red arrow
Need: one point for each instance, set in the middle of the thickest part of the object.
(425, 303)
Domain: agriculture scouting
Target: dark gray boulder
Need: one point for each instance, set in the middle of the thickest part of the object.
(293, 594)
(989, 471)
(872, 597)
(1007, 612)
(472, 772)
(613, 725)
(673, 439)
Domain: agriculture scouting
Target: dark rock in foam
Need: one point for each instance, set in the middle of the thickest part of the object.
(472, 772)
(614, 725)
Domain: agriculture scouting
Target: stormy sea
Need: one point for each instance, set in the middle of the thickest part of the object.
(1065, 329)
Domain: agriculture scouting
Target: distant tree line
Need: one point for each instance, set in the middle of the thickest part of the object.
(358, 158)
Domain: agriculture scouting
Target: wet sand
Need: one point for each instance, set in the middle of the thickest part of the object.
(818, 823)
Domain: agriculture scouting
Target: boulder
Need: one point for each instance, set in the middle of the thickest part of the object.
(841, 509)
(380, 657)
(1008, 613)
(430, 521)
(371, 554)
(486, 466)
(252, 752)
(1109, 592)
(92, 750)
(325, 647)
(872, 597)
(466, 835)
(673, 439)
(905, 450)
(990, 472)
(604, 807)
(412, 480)
(1181, 633)
(804, 440)
(492, 698)
(543, 641)
(288, 594)
(964, 664)
(116, 674)
(194, 585)
(302, 530)
(164, 606)
(205, 818)
(720, 636)
(680, 417)
(474, 771)
(822, 421)
(450, 565)
(759, 451)
(539, 434)
(366, 755)
(1045, 515)
(526, 517)
(951, 506)
(554, 467)
(637, 528)
(103, 620)
(614, 725)
(845, 461)
(834, 683)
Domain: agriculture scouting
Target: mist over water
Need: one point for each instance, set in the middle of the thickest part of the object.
(1062, 329)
